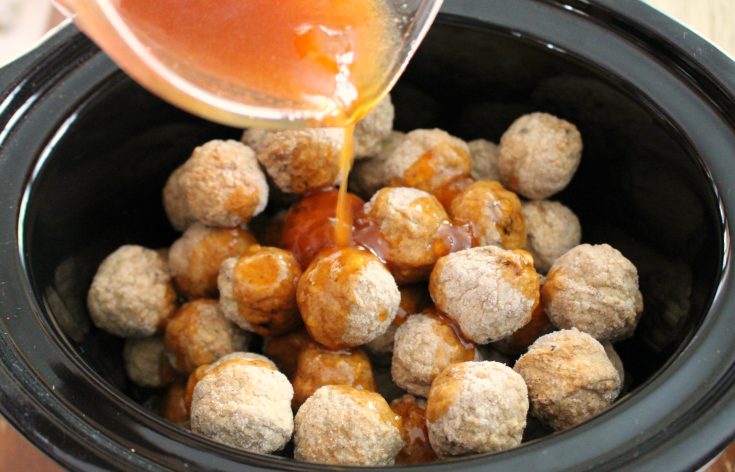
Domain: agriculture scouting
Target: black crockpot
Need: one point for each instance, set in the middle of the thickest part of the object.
(84, 154)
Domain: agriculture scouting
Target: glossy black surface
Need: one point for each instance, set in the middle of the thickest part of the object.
(86, 152)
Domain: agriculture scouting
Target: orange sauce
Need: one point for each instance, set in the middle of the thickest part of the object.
(417, 448)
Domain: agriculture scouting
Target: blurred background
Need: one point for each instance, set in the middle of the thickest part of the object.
(24, 22)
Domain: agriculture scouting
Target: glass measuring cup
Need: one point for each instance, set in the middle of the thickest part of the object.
(200, 92)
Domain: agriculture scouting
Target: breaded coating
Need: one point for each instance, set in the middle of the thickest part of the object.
(340, 425)
(319, 366)
(425, 345)
(417, 449)
(612, 354)
(347, 298)
(489, 292)
(131, 294)
(300, 160)
(484, 155)
(476, 407)
(199, 334)
(552, 230)
(146, 363)
(570, 378)
(244, 404)
(223, 184)
(258, 290)
(539, 155)
(592, 288)
(373, 128)
(493, 214)
(428, 159)
(196, 257)
(368, 175)
(177, 208)
(408, 221)
(284, 350)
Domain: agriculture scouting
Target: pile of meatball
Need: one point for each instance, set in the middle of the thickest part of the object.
(402, 347)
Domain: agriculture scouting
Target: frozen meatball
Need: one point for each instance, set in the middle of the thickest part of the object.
(373, 128)
(414, 299)
(244, 404)
(199, 334)
(552, 229)
(408, 221)
(484, 156)
(493, 214)
(309, 225)
(489, 292)
(476, 407)
(195, 258)
(173, 404)
(301, 160)
(341, 425)
(612, 354)
(146, 363)
(425, 345)
(223, 184)
(539, 155)
(131, 293)
(319, 366)
(347, 298)
(177, 207)
(417, 448)
(592, 288)
(570, 378)
(258, 290)
(368, 175)
(284, 350)
(428, 160)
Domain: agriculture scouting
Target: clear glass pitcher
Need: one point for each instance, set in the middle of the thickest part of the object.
(209, 96)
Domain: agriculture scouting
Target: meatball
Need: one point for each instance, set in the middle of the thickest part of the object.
(368, 175)
(414, 299)
(476, 407)
(284, 350)
(177, 208)
(484, 156)
(341, 425)
(199, 334)
(258, 290)
(493, 214)
(319, 366)
(592, 288)
(373, 128)
(518, 342)
(552, 229)
(202, 370)
(131, 293)
(409, 221)
(570, 378)
(417, 448)
(244, 404)
(424, 346)
(146, 363)
(347, 298)
(309, 226)
(196, 257)
(539, 155)
(299, 161)
(173, 405)
(222, 184)
(612, 354)
(489, 292)
(428, 160)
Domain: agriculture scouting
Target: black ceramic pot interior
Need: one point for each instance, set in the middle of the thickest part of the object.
(639, 188)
